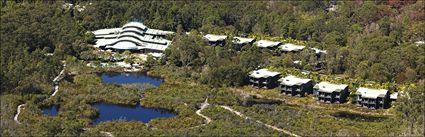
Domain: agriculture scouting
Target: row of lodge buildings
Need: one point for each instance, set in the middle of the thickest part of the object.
(220, 40)
(134, 37)
(323, 91)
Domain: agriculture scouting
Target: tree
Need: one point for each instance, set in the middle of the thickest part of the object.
(226, 75)
(377, 72)
(362, 70)
(411, 108)
(89, 37)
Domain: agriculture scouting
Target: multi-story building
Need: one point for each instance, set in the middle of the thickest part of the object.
(133, 36)
(372, 98)
(331, 93)
(295, 86)
(264, 78)
(216, 39)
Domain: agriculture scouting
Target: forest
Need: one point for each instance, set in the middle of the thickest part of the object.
(366, 42)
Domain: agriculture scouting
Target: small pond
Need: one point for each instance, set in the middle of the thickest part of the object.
(260, 101)
(359, 117)
(108, 112)
(50, 111)
(130, 78)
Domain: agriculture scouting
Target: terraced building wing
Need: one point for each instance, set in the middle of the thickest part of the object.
(133, 36)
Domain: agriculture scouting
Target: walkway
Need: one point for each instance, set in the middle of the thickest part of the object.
(57, 79)
(18, 112)
(198, 112)
(56, 89)
(267, 125)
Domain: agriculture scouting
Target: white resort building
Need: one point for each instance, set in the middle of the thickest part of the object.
(133, 36)
(216, 39)
(288, 47)
(295, 86)
(372, 98)
(267, 44)
(243, 41)
(263, 78)
(331, 93)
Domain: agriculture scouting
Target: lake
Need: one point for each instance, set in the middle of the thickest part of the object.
(130, 78)
(50, 111)
(108, 112)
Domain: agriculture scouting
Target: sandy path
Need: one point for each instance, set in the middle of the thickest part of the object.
(198, 112)
(267, 125)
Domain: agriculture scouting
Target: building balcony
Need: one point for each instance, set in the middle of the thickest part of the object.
(337, 96)
(254, 81)
(286, 89)
(321, 95)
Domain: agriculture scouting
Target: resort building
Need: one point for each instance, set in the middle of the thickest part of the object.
(133, 36)
(394, 96)
(243, 41)
(267, 44)
(264, 78)
(331, 93)
(288, 47)
(239, 42)
(216, 39)
(420, 43)
(372, 98)
(319, 52)
(295, 86)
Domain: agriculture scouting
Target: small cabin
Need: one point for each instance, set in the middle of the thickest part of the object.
(243, 41)
(288, 47)
(216, 39)
(295, 86)
(264, 78)
(331, 93)
(267, 44)
(239, 42)
(372, 98)
(319, 53)
(394, 96)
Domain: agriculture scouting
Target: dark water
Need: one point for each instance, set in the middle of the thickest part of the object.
(108, 112)
(50, 111)
(359, 117)
(260, 101)
(130, 78)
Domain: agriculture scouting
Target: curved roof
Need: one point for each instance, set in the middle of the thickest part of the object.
(124, 45)
(129, 39)
(158, 32)
(133, 35)
(136, 25)
(106, 31)
(143, 38)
